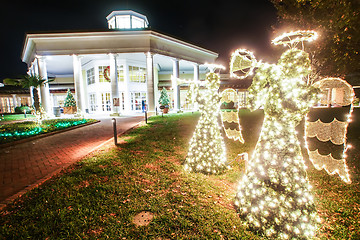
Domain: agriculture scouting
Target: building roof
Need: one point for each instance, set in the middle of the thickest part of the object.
(10, 89)
(110, 41)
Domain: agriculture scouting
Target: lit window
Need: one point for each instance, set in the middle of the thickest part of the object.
(90, 76)
(92, 99)
(138, 101)
(120, 73)
(242, 99)
(104, 74)
(123, 22)
(105, 102)
(111, 23)
(137, 22)
(137, 74)
(122, 100)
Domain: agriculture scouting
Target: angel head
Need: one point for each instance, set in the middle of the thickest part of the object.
(295, 63)
(212, 81)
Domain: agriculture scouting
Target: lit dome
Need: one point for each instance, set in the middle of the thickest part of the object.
(126, 19)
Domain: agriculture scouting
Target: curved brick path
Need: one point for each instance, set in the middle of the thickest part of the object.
(23, 166)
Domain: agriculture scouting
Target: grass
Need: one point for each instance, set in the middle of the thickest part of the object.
(98, 197)
(15, 117)
(20, 130)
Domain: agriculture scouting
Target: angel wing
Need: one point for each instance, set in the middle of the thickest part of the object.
(192, 93)
(230, 116)
(326, 136)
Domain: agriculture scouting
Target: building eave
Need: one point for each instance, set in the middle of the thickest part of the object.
(68, 43)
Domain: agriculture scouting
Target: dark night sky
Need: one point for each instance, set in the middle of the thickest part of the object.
(222, 26)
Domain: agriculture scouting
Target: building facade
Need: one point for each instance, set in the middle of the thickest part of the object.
(117, 71)
(12, 97)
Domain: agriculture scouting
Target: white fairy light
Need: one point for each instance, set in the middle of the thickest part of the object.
(335, 131)
(206, 152)
(244, 61)
(291, 38)
(275, 179)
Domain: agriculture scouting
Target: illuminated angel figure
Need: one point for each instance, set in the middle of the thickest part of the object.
(274, 196)
(207, 148)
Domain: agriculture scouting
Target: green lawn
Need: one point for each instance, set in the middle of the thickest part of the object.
(14, 117)
(99, 197)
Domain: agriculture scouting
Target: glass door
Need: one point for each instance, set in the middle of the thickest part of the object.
(138, 101)
(92, 99)
(105, 102)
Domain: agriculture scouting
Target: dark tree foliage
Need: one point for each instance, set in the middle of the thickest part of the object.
(336, 52)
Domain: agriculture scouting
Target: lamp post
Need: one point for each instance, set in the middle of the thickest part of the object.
(115, 130)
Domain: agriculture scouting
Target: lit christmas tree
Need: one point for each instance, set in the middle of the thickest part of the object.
(69, 100)
(207, 149)
(164, 99)
(274, 196)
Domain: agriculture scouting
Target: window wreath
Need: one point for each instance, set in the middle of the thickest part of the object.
(107, 73)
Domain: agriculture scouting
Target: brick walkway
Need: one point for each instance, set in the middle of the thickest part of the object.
(25, 165)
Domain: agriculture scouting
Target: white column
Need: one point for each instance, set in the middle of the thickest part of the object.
(196, 78)
(78, 82)
(15, 100)
(156, 86)
(196, 72)
(150, 83)
(126, 88)
(114, 85)
(44, 88)
(32, 72)
(175, 86)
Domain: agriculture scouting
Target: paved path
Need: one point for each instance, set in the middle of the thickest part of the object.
(25, 165)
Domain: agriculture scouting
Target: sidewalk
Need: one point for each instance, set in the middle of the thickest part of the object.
(25, 165)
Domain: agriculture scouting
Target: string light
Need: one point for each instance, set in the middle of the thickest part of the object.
(207, 148)
(341, 86)
(230, 115)
(38, 129)
(274, 195)
(291, 38)
(243, 61)
(330, 164)
(335, 131)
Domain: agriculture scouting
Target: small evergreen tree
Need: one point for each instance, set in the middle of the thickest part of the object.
(164, 98)
(69, 100)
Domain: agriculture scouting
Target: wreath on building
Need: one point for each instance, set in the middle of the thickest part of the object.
(107, 73)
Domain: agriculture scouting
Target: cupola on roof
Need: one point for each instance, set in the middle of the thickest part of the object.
(126, 19)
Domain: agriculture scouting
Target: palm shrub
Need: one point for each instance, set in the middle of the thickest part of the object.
(28, 81)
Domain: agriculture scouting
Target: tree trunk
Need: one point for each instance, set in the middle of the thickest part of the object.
(36, 99)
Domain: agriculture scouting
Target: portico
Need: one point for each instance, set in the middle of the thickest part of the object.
(115, 71)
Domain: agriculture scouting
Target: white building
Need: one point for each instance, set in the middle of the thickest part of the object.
(115, 70)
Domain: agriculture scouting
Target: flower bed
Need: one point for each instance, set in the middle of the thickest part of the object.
(16, 131)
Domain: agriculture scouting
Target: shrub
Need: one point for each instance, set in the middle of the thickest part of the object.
(22, 108)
